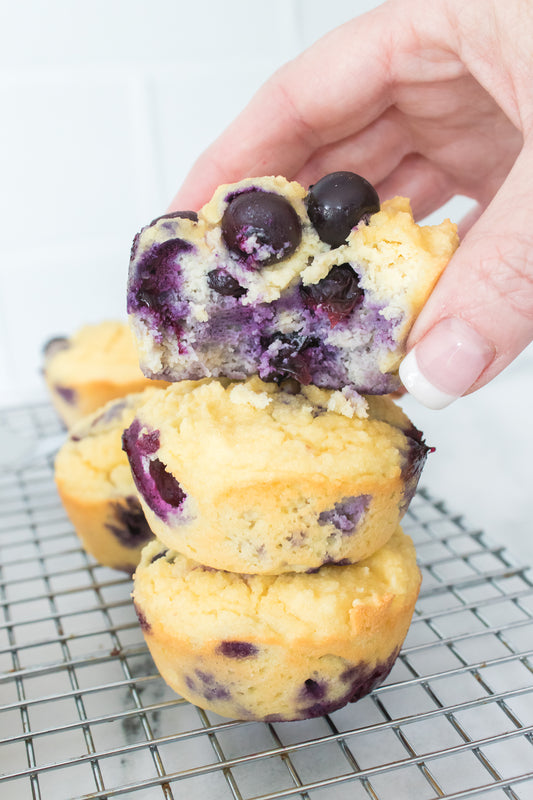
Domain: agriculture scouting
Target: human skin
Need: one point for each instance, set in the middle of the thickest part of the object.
(426, 100)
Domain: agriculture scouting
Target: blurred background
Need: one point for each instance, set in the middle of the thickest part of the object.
(105, 105)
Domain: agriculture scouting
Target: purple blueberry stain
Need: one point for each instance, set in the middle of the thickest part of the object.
(363, 678)
(66, 393)
(237, 649)
(159, 488)
(211, 689)
(216, 692)
(128, 523)
(414, 457)
(167, 485)
(337, 294)
(110, 414)
(314, 689)
(359, 680)
(297, 539)
(346, 515)
(225, 284)
(285, 356)
(143, 622)
(144, 444)
(155, 283)
(312, 699)
(205, 677)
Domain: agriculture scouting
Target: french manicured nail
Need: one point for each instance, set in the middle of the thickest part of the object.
(445, 363)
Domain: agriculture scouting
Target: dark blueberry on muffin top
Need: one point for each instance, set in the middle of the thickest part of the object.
(262, 227)
(337, 202)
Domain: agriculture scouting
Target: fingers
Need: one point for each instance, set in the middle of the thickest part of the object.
(426, 185)
(480, 315)
(331, 91)
(373, 152)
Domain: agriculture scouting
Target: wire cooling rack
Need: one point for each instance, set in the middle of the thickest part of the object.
(84, 714)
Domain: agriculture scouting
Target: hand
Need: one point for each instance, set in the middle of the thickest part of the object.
(427, 100)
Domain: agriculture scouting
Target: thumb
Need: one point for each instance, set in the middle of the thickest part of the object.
(480, 314)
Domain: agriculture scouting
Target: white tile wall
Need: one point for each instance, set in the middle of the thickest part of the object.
(142, 32)
(104, 106)
(206, 103)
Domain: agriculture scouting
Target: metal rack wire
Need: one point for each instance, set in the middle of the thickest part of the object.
(83, 712)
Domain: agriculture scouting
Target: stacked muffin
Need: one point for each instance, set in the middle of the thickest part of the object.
(95, 384)
(280, 585)
(95, 485)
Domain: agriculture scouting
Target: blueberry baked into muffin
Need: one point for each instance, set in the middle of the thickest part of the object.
(274, 648)
(251, 477)
(321, 286)
(96, 487)
(96, 364)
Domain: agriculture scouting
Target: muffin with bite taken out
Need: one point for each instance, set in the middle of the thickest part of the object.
(320, 286)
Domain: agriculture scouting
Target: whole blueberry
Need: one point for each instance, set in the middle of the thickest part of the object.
(224, 284)
(338, 293)
(262, 227)
(337, 202)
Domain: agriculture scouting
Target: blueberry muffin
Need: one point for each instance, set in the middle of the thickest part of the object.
(320, 286)
(96, 364)
(273, 648)
(96, 487)
(259, 478)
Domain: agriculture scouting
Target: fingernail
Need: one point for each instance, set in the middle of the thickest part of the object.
(445, 363)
